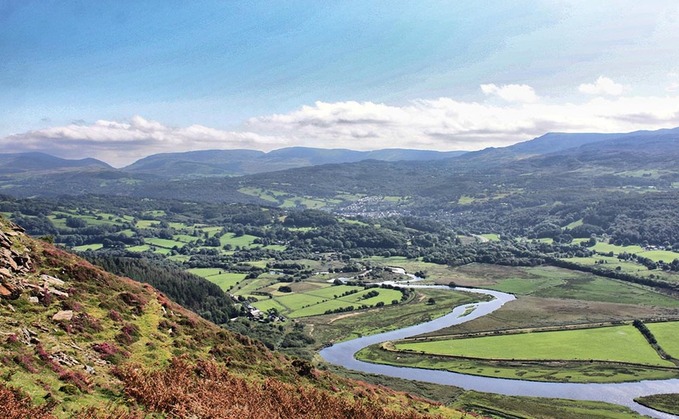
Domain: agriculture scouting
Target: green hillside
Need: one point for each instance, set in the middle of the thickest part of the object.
(78, 341)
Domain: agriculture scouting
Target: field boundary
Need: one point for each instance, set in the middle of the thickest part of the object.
(514, 362)
(524, 330)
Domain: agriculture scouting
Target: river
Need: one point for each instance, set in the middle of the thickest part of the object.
(343, 354)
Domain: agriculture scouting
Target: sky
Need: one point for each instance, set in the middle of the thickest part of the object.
(120, 80)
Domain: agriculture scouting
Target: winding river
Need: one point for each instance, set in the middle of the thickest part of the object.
(343, 354)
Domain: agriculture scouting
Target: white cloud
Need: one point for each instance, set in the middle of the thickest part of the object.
(602, 86)
(121, 143)
(448, 124)
(511, 92)
(443, 124)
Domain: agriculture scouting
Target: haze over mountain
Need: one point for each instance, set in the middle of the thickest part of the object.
(241, 162)
(563, 158)
(14, 163)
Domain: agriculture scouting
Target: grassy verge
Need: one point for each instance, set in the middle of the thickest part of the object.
(668, 403)
(496, 405)
(554, 371)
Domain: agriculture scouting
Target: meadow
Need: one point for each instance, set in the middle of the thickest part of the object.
(667, 335)
(225, 280)
(604, 354)
(314, 301)
(614, 344)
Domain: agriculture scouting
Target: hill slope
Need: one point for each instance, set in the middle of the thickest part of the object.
(17, 163)
(76, 338)
(196, 164)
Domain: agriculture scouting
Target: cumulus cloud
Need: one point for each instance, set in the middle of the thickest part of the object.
(443, 124)
(122, 142)
(602, 86)
(511, 92)
(449, 124)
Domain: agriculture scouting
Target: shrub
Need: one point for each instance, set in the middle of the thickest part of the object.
(17, 405)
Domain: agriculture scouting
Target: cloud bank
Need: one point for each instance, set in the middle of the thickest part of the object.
(511, 92)
(440, 124)
(602, 86)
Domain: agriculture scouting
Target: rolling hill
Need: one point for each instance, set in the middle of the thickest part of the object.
(196, 164)
(589, 163)
(32, 163)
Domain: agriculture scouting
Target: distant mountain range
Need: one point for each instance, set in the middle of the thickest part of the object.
(203, 163)
(551, 161)
(15, 163)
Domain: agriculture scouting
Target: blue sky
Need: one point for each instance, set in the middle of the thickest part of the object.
(122, 79)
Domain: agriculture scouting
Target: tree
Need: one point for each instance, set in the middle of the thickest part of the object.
(75, 222)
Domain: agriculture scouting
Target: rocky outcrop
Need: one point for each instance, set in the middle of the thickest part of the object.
(14, 263)
(16, 266)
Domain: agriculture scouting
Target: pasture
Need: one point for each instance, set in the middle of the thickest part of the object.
(603, 354)
(667, 335)
(225, 280)
(309, 299)
(615, 344)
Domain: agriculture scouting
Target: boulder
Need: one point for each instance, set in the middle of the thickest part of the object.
(51, 280)
(63, 315)
(58, 293)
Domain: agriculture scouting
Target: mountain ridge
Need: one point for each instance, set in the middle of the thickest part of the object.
(32, 162)
(609, 158)
(243, 162)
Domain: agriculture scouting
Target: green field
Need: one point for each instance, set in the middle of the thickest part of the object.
(146, 223)
(85, 247)
(258, 263)
(607, 247)
(618, 343)
(271, 196)
(167, 244)
(154, 213)
(140, 248)
(315, 299)
(184, 238)
(660, 255)
(667, 335)
(594, 288)
(491, 236)
(305, 202)
(605, 354)
(465, 200)
(244, 241)
(574, 224)
(655, 255)
(552, 282)
(225, 280)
